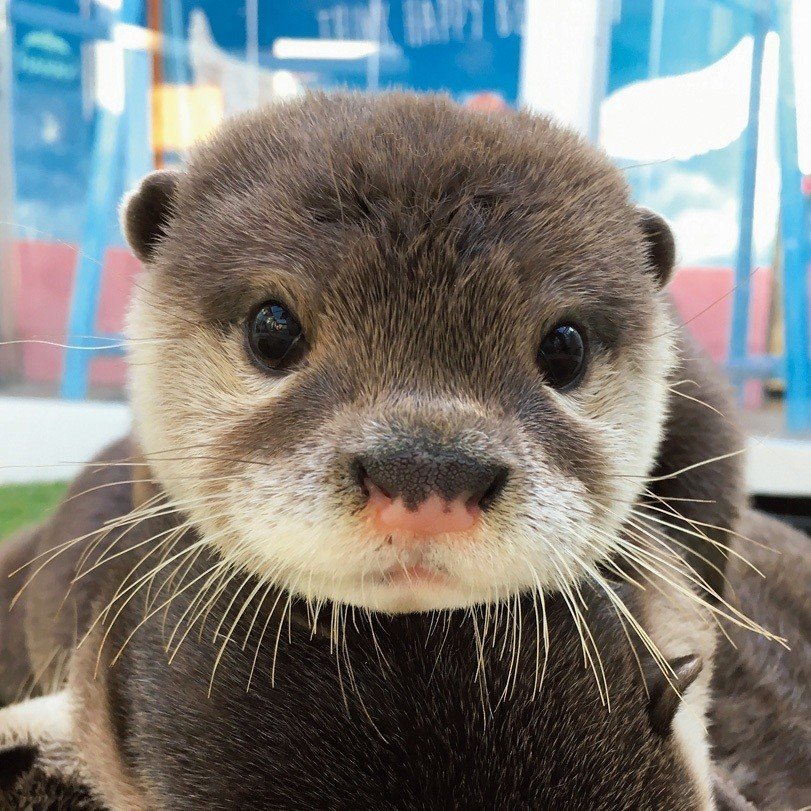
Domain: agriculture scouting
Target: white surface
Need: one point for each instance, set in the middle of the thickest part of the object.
(300, 48)
(575, 36)
(49, 440)
(778, 466)
(678, 117)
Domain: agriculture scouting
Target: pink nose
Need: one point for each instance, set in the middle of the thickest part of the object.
(433, 516)
(425, 489)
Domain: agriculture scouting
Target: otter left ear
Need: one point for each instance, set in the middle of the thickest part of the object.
(660, 243)
(665, 696)
(146, 212)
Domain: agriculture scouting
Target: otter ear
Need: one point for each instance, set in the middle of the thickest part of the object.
(660, 243)
(665, 696)
(146, 211)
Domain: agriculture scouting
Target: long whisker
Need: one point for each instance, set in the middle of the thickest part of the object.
(651, 561)
(643, 635)
(543, 626)
(580, 623)
(157, 610)
(111, 624)
(261, 637)
(234, 624)
(133, 587)
(695, 465)
(696, 534)
(221, 575)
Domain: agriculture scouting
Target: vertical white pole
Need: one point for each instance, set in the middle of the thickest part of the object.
(375, 33)
(564, 60)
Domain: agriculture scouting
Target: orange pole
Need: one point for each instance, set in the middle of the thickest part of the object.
(154, 23)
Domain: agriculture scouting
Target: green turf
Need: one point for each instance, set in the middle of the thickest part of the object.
(21, 504)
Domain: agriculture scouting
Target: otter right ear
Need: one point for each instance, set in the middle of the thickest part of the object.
(660, 243)
(146, 212)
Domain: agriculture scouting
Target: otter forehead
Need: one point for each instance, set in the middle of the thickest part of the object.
(317, 198)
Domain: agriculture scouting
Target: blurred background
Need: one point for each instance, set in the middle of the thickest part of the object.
(705, 104)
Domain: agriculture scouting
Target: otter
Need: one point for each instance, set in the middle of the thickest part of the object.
(392, 357)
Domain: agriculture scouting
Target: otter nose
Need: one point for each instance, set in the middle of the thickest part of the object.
(427, 493)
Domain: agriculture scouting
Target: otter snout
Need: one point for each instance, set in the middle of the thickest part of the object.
(427, 490)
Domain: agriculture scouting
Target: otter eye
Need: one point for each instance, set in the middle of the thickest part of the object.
(562, 356)
(275, 338)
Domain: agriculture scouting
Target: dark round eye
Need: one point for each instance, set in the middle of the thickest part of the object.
(562, 356)
(275, 337)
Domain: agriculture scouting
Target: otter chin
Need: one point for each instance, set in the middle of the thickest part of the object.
(416, 588)
(374, 331)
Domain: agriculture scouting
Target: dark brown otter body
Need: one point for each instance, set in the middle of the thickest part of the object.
(435, 743)
(395, 714)
(761, 718)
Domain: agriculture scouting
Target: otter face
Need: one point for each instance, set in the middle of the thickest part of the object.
(399, 355)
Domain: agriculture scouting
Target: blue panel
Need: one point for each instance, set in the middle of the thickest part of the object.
(743, 262)
(798, 367)
(763, 367)
(463, 48)
(90, 261)
(138, 115)
(104, 189)
(175, 57)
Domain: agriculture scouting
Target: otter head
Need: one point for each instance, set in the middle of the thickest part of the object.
(396, 354)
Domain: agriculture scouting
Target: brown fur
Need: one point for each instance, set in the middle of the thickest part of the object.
(121, 762)
(759, 730)
(762, 728)
(40, 767)
(99, 736)
(38, 634)
(40, 787)
(403, 721)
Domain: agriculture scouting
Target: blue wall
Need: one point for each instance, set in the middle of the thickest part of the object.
(476, 51)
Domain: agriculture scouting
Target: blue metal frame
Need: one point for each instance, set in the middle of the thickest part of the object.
(82, 345)
(795, 367)
(743, 261)
(118, 138)
(795, 302)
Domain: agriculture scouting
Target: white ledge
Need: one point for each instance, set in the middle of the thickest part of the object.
(48, 440)
(778, 466)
